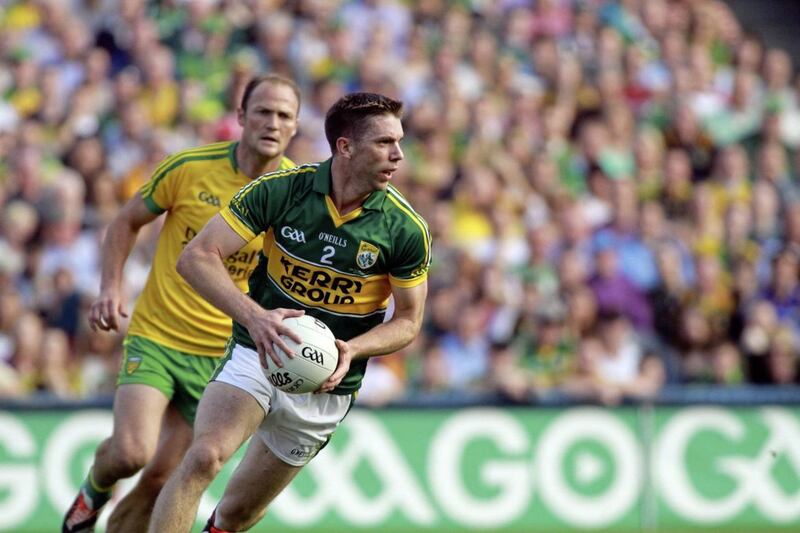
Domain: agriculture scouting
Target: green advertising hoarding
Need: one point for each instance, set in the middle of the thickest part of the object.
(476, 469)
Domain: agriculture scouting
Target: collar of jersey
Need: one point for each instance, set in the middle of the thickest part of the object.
(322, 185)
(284, 164)
(232, 156)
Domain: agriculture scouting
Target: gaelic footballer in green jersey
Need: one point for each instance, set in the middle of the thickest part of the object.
(337, 268)
(339, 241)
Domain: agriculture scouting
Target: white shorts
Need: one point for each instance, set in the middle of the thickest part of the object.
(296, 426)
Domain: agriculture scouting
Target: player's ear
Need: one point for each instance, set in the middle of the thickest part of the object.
(240, 116)
(344, 147)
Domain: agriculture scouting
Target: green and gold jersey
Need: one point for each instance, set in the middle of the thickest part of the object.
(339, 269)
(190, 186)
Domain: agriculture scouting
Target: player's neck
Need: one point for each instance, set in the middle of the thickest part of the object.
(347, 201)
(254, 165)
(346, 193)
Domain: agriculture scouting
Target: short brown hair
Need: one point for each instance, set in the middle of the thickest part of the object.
(275, 79)
(346, 117)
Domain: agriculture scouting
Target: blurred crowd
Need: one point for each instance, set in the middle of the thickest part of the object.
(612, 186)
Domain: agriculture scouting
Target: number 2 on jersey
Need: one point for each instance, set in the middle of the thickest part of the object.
(326, 257)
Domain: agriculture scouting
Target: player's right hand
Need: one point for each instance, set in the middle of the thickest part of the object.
(106, 311)
(267, 331)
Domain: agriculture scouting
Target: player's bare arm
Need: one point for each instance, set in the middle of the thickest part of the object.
(202, 265)
(119, 240)
(385, 338)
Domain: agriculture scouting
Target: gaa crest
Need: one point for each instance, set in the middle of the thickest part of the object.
(367, 255)
(132, 363)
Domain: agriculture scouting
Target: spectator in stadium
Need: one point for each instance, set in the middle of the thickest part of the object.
(670, 295)
(542, 355)
(11, 311)
(760, 326)
(55, 371)
(731, 179)
(62, 309)
(18, 225)
(614, 291)
(783, 292)
(783, 358)
(175, 338)
(676, 192)
(771, 348)
(726, 365)
(364, 133)
(581, 311)
(624, 234)
(745, 292)
(618, 364)
(777, 72)
(125, 139)
(772, 168)
(465, 350)
(27, 341)
(737, 241)
(713, 295)
(66, 245)
(687, 134)
(766, 211)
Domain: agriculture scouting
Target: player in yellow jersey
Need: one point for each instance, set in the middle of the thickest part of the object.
(175, 336)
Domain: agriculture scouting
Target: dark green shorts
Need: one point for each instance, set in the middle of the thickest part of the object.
(181, 376)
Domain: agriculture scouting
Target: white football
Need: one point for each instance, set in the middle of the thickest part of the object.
(314, 361)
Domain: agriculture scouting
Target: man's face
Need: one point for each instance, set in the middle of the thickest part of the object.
(270, 121)
(376, 154)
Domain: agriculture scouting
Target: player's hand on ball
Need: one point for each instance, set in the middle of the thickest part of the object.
(105, 311)
(267, 328)
(342, 367)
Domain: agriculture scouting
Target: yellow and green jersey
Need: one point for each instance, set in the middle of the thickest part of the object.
(340, 269)
(190, 186)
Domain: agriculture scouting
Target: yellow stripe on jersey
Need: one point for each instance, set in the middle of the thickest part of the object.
(302, 169)
(407, 283)
(174, 162)
(400, 202)
(314, 285)
(211, 148)
(170, 159)
(336, 218)
(237, 225)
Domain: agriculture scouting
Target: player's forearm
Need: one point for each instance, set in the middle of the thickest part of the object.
(205, 271)
(385, 338)
(117, 245)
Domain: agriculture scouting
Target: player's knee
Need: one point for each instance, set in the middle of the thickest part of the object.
(130, 455)
(205, 458)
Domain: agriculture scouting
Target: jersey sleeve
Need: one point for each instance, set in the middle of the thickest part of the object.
(412, 255)
(161, 191)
